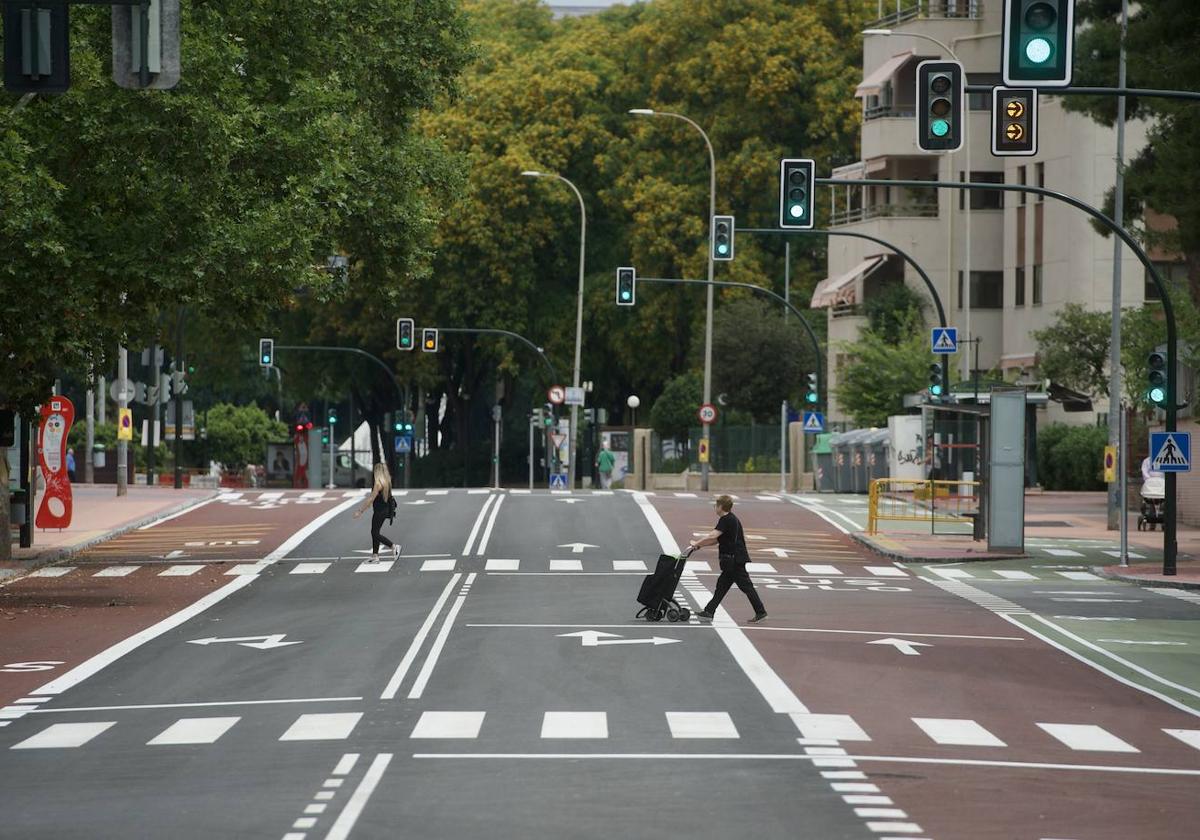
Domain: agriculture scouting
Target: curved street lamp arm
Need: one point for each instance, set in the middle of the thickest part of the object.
(326, 349)
(510, 334)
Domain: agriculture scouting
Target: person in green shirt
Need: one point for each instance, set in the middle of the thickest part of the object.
(605, 462)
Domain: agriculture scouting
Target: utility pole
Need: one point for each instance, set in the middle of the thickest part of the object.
(181, 369)
(1116, 499)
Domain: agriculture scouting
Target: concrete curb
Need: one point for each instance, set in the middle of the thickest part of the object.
(892, 554)
(1113, 573)
(53, 555)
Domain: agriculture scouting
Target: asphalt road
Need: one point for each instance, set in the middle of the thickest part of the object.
(493, 682)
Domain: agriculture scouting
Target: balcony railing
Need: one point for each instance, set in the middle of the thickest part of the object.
(881, 211)
(903, 10)
(879, 112)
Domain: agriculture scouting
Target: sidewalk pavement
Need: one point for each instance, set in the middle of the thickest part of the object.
(100, 514)
(1067, 516)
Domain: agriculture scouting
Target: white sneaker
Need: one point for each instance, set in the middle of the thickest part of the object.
(374, 558)
(396, 551)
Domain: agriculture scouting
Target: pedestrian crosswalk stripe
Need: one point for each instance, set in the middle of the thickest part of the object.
(1087, 737)
(64, 735)
(575, 725)
(116, 571)
(950, 731)
(837, 727)
(768, 498)
(436, 492)
(818, 569)
(325, 726)
(378, 566)
(247, 569)
(497, 565)
(629, 566)
(194, 731)
(761, 568)
(1079, 575)
(886, 571)
(1132, 555)
(310, 568)
(701, 725)
(438, 566)
(52, 571)
(881, 813)
(1062, 552)
(951, 574)
(895, 827)
(685, 496)
(448, 725)
(699, 566)
(1191, 737)
(180, 571)
(1008, 574)
(566, 565)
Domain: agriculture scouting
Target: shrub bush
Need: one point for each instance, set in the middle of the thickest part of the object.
(1071, 457)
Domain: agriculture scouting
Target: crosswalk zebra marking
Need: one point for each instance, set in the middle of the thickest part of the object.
(886, 571)
(575, 725)
(194, 731)
(116, 571)
(180, 571)
(1087, 737)
(1079, 576)
(951, 574)
(64, 735)
(322, 726)
(52, 571)
(1008, 574)
(956, 732)
(498, 565)
(438, 565)
(448, 725)
(367, 567)
(310, 568)
(819, 569)
(701, 725)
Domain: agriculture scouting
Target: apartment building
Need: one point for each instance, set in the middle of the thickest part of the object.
(1026, 257)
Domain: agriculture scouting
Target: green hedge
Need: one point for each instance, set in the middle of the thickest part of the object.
(1071, 457)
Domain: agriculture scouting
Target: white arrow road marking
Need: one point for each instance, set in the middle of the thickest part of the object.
(171, 555)
(595, 638)
(571, 501)
(420, 502)
(903, 645)
(778, 552)
(260, 642)
(578, 547)
(1136, 642)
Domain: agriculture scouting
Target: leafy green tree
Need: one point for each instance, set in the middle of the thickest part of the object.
(674, 412)
(1074, 350)
(1071, 457)
(892, 310)
(238, 435)
(747, 331)
(879, 373)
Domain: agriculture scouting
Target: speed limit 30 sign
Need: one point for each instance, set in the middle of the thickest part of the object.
(707, 414)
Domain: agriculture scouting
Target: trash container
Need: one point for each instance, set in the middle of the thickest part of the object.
(17, 502)
(823, 463)
(878, 465)
(859, 482)
(843, 460)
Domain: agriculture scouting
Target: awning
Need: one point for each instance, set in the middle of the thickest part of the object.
(844, 288)
(872, 83)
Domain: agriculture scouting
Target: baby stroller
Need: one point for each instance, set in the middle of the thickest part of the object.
(1154, 494)
(657, 595)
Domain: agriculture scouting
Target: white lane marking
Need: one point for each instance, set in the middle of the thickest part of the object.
(1098, 600)
(271, 496)
(575, 725)
(478, 522)
(438, 566)
(685, 496)
(1014, 575)
(1191, 737)
(106, 657)
(478, 491)
(701, 725)
(64, 735)
(436, 492)
(244, 569)
(343, 825)
(566, 565)
(956, 732)
(195, 705)
(880, 813)
(487, 533)
(520, 492)
(304, 533)
(818, 569)
(1131, 555)
(1062, 552)
(1087, 737)
(825, 514)
(894, 828)
(52, 571)
(448, 725)
(866, 798)
(498, 565)
(194, 731)
(757, 568)
(886, 571)
(393, 685)
(854, 787)
(768, 498)
(201, 503)
(1079, 575)
(116, 571)
(778, 629)
(435, 650)
(322, 726)
(310, 569)
(629, 565)
(378, 566)
(345, 764)
(180, 571)
(699, 566)
(843, 774)
(950, 574)
(836, 727)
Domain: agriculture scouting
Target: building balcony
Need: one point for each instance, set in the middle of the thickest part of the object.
(892, 12)
(917, 210)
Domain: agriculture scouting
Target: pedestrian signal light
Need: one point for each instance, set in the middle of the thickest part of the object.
(722, 238)
(398, 427)
(548, 414)
(324, 436)
(429, 340)
(626, 286)
(405, 331)
(936, 379)
(811, 396)
(1157, 375)
(940, 111)
(797, 183)
(266, 352)
(1037, 37)
(1014, 121)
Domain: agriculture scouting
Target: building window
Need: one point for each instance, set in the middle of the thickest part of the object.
(987, 290)
(1174, 274)
(1037, 285)
(1021, 180)
(1040, 170)
(1019, 286)
(983, 199)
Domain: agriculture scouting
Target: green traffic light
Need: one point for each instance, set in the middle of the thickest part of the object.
(1038, 50)
(796, 210)
(624, 294)
(939, 128)
(266, 359)
(1158, 396)
(810, 397)
(936, 390)
(722, 249)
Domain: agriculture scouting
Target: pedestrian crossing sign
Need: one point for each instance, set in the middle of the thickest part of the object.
(944, 339)
(403, 444)
(814, 421)
(1171, 451)
(558, 481)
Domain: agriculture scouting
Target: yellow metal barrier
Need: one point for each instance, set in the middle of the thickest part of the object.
(908, 500)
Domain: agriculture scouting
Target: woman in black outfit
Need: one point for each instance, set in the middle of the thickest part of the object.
(378, 501)
(730, 540)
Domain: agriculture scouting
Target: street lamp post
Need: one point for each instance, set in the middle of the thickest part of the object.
(708, 310)
(633, 402)
(574, 442)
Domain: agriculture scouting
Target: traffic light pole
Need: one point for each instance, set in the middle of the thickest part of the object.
(326, 349)
(816, 342)
(1170, 545)
(517, 336)
(1104, 91)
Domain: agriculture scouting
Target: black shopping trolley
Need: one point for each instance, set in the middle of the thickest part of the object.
(657, 595)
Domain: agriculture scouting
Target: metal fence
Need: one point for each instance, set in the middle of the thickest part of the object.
(951, 503)
(892, 12)
(732, 449)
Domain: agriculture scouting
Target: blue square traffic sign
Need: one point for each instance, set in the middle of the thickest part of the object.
(1171, 451)
(944, 339)
(558, 481)
(814, 421)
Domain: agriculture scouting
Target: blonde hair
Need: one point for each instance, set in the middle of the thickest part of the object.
(383, 480)
(725, 503)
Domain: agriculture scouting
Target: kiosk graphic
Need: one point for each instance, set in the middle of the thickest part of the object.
(1171, 451)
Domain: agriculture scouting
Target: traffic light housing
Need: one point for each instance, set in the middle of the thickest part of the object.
(626, 286)
(1037, 39)
(331, 415)
(266, 352)
(324, 435)
(49, 29)
(797, 186)
(811, 395)
(1156, 374)
(429, 340)
(406, 331)
(1014, 121)
(722, 238)
(937, 380)
(941, 101)
(548, 415)
(161, 68)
